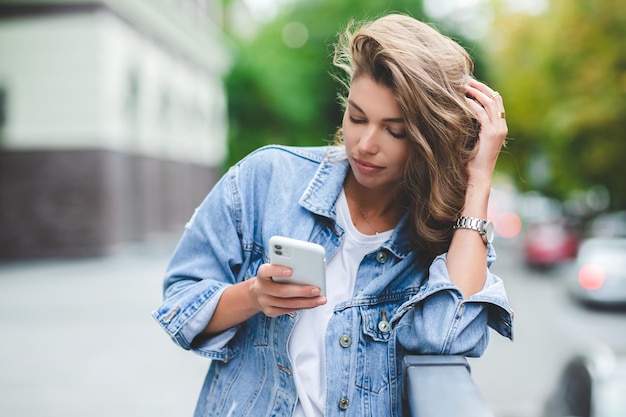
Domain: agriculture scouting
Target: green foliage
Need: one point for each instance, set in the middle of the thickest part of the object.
(284, 95)
(563, 77)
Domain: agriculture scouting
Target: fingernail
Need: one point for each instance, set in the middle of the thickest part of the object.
(315, 291)
(321, 300)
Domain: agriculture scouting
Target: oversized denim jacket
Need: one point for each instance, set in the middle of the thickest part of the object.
(293, 192)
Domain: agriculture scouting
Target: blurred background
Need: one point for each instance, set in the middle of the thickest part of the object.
(117, 117)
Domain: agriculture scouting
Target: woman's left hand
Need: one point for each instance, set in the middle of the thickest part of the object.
(489, 110)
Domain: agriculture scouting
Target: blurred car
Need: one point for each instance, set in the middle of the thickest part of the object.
(550, 242)
(611, 224)
(592, 384)
(600, 272)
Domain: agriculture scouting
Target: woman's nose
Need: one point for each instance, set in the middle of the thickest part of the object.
(368, 142)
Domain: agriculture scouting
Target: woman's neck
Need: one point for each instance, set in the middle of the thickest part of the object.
(372, 210)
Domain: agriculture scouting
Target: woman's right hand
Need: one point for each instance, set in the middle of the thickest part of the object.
(243, 300)
(274, 298)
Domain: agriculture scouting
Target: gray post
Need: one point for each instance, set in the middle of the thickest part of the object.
(441, 386)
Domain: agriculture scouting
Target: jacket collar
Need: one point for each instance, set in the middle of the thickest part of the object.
(320, 197)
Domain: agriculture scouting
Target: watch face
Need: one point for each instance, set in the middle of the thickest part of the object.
(489, 231)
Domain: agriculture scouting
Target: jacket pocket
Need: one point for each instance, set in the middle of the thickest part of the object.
(376, 359)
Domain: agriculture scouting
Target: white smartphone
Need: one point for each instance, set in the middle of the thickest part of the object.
(307, 261)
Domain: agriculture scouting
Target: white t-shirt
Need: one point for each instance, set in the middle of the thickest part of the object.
(307, 341)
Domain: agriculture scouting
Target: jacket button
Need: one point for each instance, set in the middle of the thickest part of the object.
(345, 341)
(344, 403)
(384, 326)
(381, 257)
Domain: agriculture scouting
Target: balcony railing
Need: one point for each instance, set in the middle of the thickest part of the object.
(441, 386)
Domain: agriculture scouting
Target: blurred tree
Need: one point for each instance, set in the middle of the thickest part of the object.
(563, 76)
(280, 89)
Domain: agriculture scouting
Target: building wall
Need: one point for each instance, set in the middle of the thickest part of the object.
(84, 202)
(113, 130)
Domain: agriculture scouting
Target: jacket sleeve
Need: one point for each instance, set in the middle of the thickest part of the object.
(209, 257)
(439, 321)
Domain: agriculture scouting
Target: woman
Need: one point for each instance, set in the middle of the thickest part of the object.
(397, 204)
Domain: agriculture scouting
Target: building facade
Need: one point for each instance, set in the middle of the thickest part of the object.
(112, 121)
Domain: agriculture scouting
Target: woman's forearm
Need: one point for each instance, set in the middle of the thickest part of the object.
(467, 256)
(235, 306)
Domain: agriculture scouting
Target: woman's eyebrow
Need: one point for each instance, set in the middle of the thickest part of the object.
(353, 104)
(387, 120)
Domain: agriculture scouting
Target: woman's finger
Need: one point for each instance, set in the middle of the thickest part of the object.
(276, 298)
(491, 105)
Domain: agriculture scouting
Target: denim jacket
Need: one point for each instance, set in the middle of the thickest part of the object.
(399, 306)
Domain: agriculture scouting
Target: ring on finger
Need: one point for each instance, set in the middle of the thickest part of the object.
(494, 94)
(502, 115)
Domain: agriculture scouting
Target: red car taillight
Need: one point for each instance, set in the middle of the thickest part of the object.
(591, 276)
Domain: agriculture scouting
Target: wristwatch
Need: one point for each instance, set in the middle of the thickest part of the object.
(482, 226)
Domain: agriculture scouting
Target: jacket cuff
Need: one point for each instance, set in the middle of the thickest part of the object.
(184, 316)
(492, 295)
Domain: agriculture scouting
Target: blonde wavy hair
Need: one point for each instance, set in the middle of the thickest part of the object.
(427, 72)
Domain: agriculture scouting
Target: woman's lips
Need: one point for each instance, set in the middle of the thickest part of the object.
(366, 167)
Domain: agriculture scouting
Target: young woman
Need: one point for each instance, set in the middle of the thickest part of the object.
(400, 206)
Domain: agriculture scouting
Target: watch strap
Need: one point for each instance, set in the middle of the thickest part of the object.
(472, 223)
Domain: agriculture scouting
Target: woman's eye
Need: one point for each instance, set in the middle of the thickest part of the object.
(357, 121)
(398, 135)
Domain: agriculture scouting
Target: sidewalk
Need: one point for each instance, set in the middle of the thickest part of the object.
(77, 339)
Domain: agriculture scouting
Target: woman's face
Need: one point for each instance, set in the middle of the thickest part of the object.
(375, 135)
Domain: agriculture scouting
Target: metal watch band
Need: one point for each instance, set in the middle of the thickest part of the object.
(466, 222)
(472, 223)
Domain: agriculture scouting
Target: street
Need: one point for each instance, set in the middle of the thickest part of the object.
(515, 378)
(78, 339)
